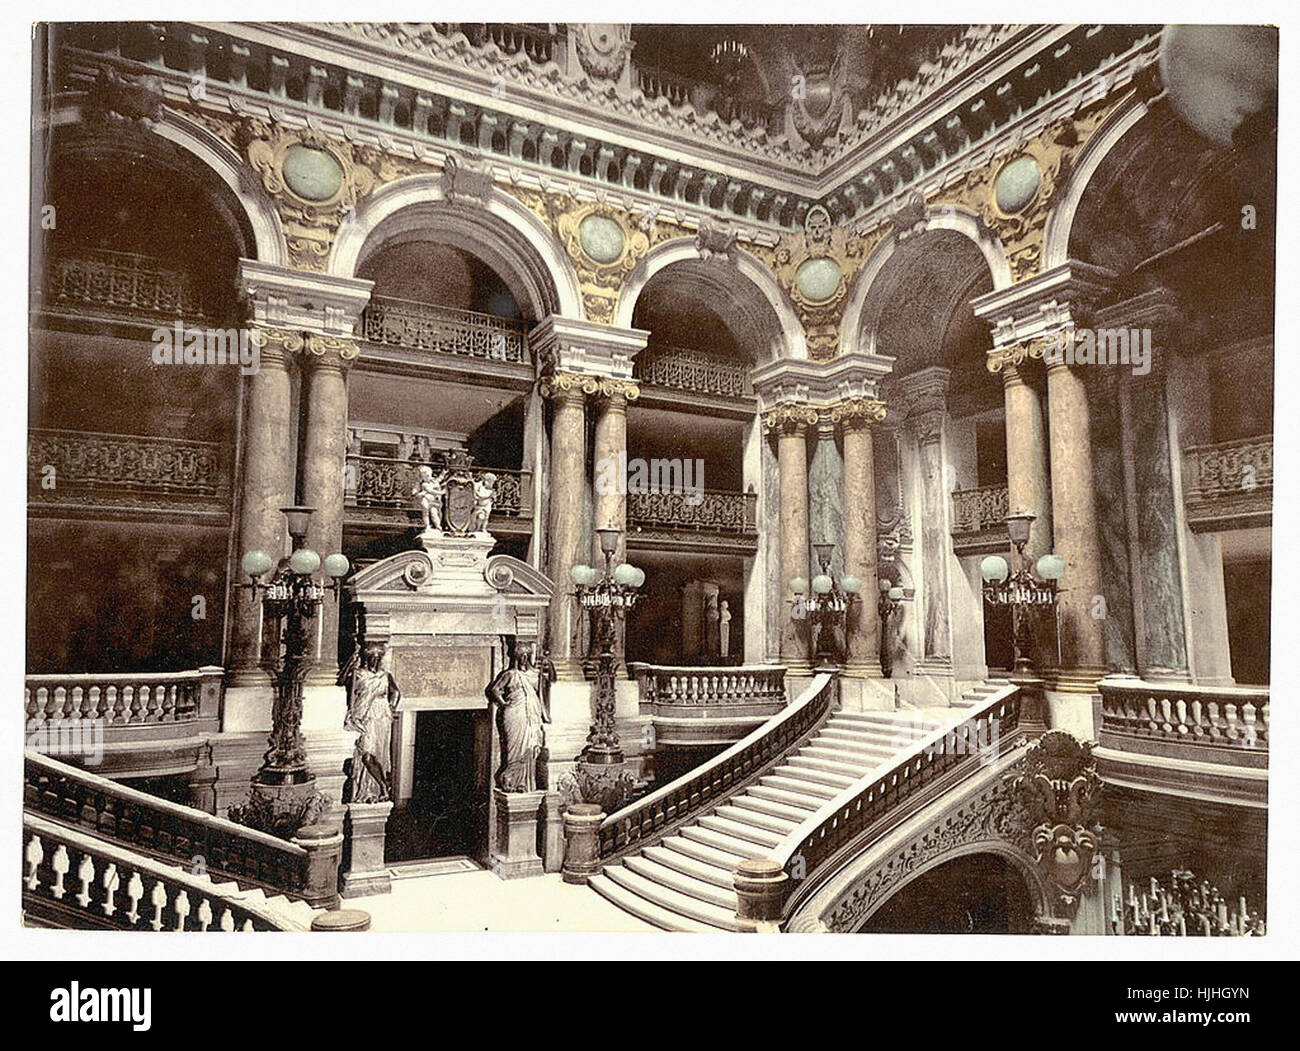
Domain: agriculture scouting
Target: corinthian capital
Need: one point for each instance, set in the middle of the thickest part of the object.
(790, 417)
(858, 411)
(559, 385)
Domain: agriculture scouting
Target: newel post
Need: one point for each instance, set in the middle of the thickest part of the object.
(324, 846)
(581, 842)
(761, 885)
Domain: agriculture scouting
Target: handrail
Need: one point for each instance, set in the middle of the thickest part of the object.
(721, 775)
(97, 804)
(864, 803)
(703, 684)
(1184, 713)
(124, 698)
(116, 893)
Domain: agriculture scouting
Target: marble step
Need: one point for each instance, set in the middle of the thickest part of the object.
(739, 848)
(780, 826)
(683, 883)
(802, 799)
(656, 915)
(809, 759)
(722, 860)
(750, 801)
(672, 900)
(761, 838)
(808, 772)
(670, 855)
(795, 785)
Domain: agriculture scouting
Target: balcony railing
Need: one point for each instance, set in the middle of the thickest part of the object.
(123, 281)
(699, 688)
(1229, 484)
(1230, 718)
(381, 481)
(60, 461)
(117, 699)
(974, 510)
(444, 330)
(693, 370)
(715, 511)
(538, 42)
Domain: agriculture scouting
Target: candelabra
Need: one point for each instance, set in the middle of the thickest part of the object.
(1185, 908)
(826, 608)
(1025, 590)
(292, 599)
(607, 596)
(888, 607)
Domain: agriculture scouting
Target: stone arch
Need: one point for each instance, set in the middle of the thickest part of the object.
(1060, 222)
(745, 282)
(500, 231)
(939, 217)
(220, 158)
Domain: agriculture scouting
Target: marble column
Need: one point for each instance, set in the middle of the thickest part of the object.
(610, 461)
(267, 485)
(1082, 606)
(564, 520)
(692, 619)
(324, 459)
(863, 636)
(791, 423)
(1028, 488)
(926, 394)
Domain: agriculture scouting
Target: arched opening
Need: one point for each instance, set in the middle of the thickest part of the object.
(141, 239)
(941, 458)
(974, 894)
(1187, 228)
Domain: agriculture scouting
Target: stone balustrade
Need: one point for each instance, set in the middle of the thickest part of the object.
(73, 879)
(694, 687)
(714, 511)
(697, 371)
(974, 510)
(119, 281)
(124, 698)
(64, 462)
(1220, 717)
(443, 330)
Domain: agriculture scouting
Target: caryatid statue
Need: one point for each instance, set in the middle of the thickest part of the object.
(516, 694)
(373, 698)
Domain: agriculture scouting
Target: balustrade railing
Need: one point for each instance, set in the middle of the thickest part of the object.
(693, 370)
(124, 699)
(382, 481)
(722, 775)
(977, 509)
(1228, 468)
(707, 510)
(659, 83)
(145, 823)
(120, 281)
(62, 460)
(537, 42)
(443, 330)
(1227, 717)
(697, 687)
(987, 733)
(88, 883)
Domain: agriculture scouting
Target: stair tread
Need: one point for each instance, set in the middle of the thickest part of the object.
(682, 882)
(760, 837)
(722, 860)
(774, 808)
(672, 900)
(648, 911)
(787, 797)
(785, 783)
(767, 822)
(812, 773)
(741, 848)
(720, 875)
(832, 766)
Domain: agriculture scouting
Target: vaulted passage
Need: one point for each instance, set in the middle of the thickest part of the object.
(974, 894)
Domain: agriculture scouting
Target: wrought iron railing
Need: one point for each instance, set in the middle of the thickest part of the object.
(151, 825)
(693, 370)
(124, 699)
(120, 281)
(759, 684)
(723, 775)
(444, 330)
(1228, 468)
(877, 798)
(977, 509)
(71, 879)
(706, 511)
(60, 460)
(1224, 717)
(382, 481)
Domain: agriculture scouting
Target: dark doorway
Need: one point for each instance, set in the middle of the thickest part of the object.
(976, 894)
(1248, 589)
(998, 628)
(447, 814)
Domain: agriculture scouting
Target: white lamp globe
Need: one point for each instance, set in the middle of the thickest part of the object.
(639, 579)
(304, 561)
(993, 568)
(255, 562)
(624, 574)
(1050, 567)
(896, 594)
(822, 584)
(799, 585)
(851, 584)
(578, 574)
(337, 565)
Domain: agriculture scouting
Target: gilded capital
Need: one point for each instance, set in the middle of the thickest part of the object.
(276, 345)
(790, 418)
(618, 388)
(326, 351)
(1018, 353)
(858, 412)
(561, 385)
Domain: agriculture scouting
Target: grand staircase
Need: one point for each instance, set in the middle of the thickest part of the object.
(684, 881)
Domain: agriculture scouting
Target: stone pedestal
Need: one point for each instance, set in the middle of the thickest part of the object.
(581, 842)
(342, 920)
(517, 816)
(324, 845)
(364, 870)
(760, 893)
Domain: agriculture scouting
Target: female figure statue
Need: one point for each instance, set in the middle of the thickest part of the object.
(373, 697)
(520, 715)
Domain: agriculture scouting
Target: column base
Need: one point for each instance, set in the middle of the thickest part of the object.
(1080, 680)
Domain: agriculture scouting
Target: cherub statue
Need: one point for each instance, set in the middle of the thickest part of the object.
(429, 496)
(484, 494)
